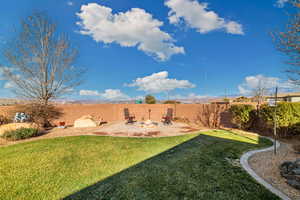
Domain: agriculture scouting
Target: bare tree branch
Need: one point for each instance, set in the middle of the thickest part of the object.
(42, 61)
(288, 42)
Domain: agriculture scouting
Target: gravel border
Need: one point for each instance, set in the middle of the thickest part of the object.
(245, 164)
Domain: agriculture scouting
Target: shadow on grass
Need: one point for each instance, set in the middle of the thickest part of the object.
(196, 169)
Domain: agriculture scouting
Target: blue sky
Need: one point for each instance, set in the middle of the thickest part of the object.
(185, 48)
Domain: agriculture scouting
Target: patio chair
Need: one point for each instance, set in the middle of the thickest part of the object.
(167, 118)
(129, 117)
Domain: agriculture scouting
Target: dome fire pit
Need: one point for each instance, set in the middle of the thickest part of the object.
(148, 124)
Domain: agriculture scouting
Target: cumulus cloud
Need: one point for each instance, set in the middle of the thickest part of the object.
(109, 94)
(89, 93)
(70, 3)
(281, 3)
(253, 82)
(9, 85)
(159, 82)
(3, 69)
(134, 28)
(196, 15)
(191, 96)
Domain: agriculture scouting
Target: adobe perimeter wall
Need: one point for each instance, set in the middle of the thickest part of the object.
(115, 112)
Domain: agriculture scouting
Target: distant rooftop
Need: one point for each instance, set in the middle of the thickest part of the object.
(289, 94)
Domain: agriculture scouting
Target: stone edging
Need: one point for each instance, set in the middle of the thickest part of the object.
(245, 164)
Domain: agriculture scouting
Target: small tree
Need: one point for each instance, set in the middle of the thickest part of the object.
(149, 99)
(209, 115)
(40, 114)
(259, 93)
(41, 61)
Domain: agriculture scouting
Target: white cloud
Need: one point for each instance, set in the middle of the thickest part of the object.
(3, 69)
(134, 28)
(159, 82)
(191, 96)
(9, 85)
(281, 3)
(269, 83)
(243, 90)
(109, 94)
(89, 93)
(196, 15)
(70, 3)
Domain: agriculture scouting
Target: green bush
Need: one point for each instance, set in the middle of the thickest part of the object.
(287, 117)
(262, 120)
(20, 134)
(172, 102)
(149, 99)
(241, 115)
(295, 129)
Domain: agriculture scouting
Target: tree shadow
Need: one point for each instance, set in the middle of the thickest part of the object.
(225, 119)
(196, 169)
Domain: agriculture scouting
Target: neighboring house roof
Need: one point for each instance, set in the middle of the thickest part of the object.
(290, 94)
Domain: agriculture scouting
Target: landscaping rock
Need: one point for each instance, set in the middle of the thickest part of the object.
(85, 122)
(294, 183)
(291, 171)
(296, 171)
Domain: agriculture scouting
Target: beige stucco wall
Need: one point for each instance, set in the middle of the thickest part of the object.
(115, 112)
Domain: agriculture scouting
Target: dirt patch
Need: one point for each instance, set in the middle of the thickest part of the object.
(153, 133)
(100, 133)
(266, 165)
(117, 129)
(138, 134)
(189, 129)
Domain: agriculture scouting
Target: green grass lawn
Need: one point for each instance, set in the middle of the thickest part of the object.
(92, 167)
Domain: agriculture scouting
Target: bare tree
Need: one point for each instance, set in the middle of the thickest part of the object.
(260, 92)
(209, 115)
(41, 61)
(288, 42)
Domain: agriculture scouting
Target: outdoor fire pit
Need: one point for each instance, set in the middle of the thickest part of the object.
(148, 124)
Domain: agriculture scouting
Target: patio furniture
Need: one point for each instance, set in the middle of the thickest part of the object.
(129, 117)
(167, 118)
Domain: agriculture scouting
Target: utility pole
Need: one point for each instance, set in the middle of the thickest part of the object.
(275, 120)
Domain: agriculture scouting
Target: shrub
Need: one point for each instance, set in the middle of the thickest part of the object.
(4, 120)
(39, 113)
(241, 115)
(20, 134)
(295, 130)
(149, 99)
(287, 117)
(172, 102)
(209, 115)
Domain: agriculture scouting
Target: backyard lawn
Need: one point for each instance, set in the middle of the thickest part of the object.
(93, 167)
